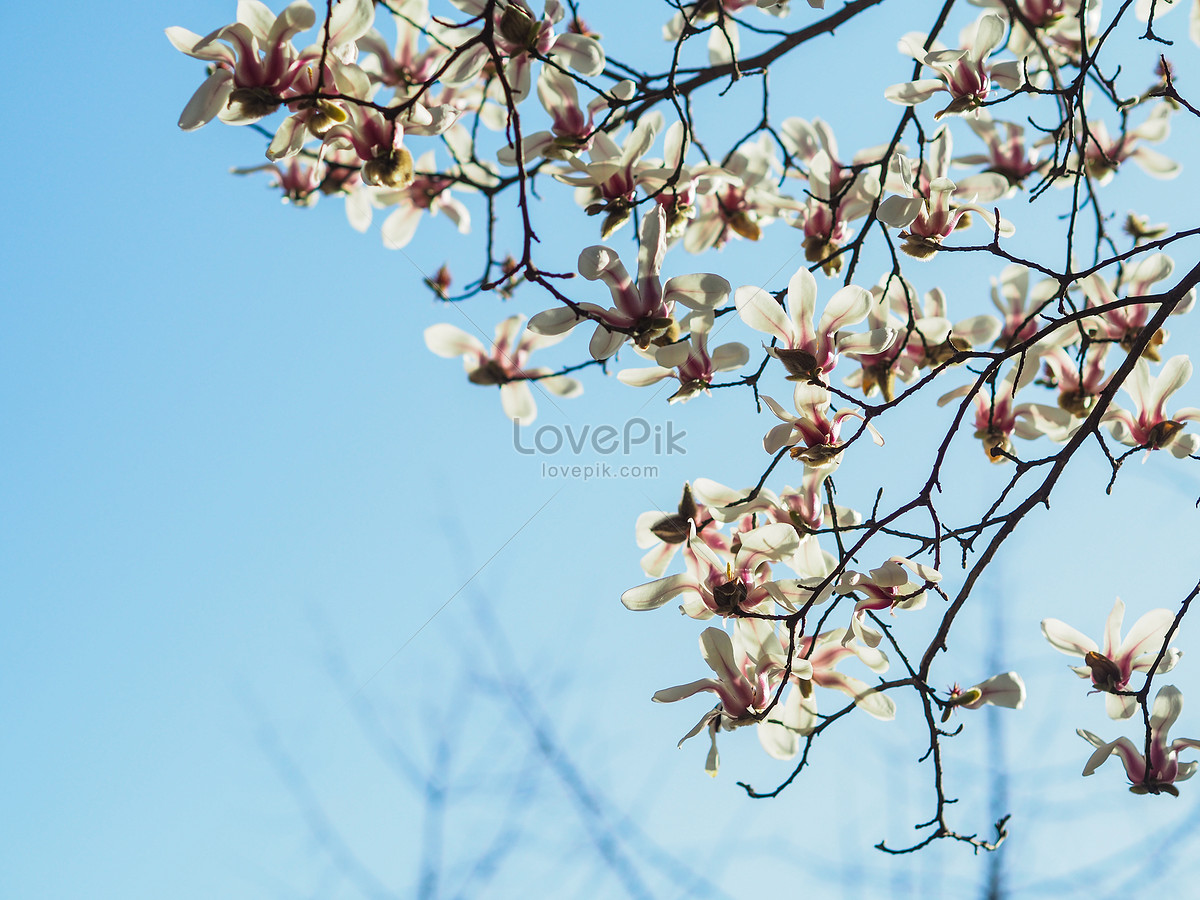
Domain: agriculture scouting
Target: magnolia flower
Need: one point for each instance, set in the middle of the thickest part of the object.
(740, 200)
(1111, 669)
(743, 683)
(504, 364)
(426, 192)
(806, 352)
(1165, 768)
(572, 130)
(1019, 304)
(407, 67)
(1008, 156)
(918, 338)
(1150, 427)
(379, 143)
(716, 584)
(965, 74)
(252, 68)
(887, 587)
(1125, 323)
(813, 436)
(1079, 383)
(928, 217)
(689, 361)
(1103, 153)
(833, 203)
(643, 310)
(996, 415)
(965, 334)
(516, 34)
(781, 730)
(299, 179)
(608, 183)
(1007, 690)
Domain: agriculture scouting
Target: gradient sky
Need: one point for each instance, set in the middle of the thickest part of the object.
(268, 563)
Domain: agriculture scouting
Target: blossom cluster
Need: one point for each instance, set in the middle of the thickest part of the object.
(773, 570)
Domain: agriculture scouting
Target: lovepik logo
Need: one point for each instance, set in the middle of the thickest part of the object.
(604, 440)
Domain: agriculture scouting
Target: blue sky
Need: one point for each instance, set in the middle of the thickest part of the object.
(237, 488)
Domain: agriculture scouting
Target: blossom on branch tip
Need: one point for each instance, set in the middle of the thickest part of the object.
(688, 360)
(1164, 768)
(1150, 426)
(1007, 690)
(814, 437)
(965, 74)
(927, 218)
(1111, 669)
(887, 587)
(643, 310)
(504, 364)
(810, 353)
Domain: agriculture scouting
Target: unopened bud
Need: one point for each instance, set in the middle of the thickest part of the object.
(392, 169)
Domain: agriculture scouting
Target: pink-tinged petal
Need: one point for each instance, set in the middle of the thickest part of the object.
(802, 304)
(759, 310)
(288, 140)
(1066, 639)
(257, 16)
(875, 341)
(716, 647)
(517, 400)
(1184, 445)
(1008, 75)
(776, 541)
(1121, 425)
(977, 330)
(359, 211)
(449, 341)
(655, 593)
(779, 437)
(848, 306)
(210, 98)
(466, 66)
(910, 93)
(988, 36)
(1146, 636)
(700, 291)
(720, 41)
(1135, 765)
(656, 561)
(682, 691)
(183, 40)
(1112, 629)
(351, 20)
(1175, 374)
(1168, 704)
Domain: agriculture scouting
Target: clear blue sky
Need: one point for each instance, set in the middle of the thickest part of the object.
(236, 486)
